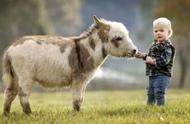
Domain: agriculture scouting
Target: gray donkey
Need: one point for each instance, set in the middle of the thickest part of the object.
(55, 61)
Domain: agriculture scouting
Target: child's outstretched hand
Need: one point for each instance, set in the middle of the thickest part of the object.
(149, 60)
(139, 55)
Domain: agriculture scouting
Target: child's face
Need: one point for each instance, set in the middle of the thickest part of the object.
(160, 33)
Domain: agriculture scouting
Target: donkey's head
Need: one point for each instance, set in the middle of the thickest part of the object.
(115, 38)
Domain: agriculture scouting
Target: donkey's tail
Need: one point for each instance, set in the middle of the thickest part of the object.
(8, 72)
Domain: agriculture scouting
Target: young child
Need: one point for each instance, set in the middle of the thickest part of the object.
(159, 61)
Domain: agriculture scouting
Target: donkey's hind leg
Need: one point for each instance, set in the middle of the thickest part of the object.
(9, 95)
(24, 93)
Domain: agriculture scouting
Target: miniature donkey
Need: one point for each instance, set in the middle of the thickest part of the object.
(55, 61)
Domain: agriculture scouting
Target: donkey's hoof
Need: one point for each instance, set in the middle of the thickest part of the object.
(28, 111)
(6, 113)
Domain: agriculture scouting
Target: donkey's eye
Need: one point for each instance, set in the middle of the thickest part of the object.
(118, 38)
(116, 41)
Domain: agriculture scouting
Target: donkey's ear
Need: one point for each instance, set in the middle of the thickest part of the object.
(99, 22)
(96, 20)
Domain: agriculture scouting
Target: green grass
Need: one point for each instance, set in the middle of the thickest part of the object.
(102, 107)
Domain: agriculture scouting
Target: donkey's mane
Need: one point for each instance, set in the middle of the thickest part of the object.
(87, 33)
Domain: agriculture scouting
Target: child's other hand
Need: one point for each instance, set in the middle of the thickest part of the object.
(139, 55)
(150, 60)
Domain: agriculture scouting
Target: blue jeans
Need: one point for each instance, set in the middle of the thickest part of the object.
(156, 89)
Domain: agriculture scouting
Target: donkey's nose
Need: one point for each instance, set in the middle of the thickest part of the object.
(134, 51)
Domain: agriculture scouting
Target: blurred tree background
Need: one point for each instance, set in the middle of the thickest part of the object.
(179, 12)
(36, 17)
(71, 17)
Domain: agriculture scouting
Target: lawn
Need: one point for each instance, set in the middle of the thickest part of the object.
(102, 107)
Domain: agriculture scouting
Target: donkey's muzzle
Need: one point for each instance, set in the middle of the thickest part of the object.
(132, 53)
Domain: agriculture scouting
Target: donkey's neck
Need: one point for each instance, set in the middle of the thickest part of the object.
(93, 49)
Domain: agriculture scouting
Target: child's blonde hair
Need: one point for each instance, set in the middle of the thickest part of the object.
(163, 22)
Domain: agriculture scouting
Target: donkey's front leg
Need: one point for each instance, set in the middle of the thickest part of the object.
(78, 93)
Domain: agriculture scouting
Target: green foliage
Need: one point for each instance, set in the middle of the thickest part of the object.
(103, 107)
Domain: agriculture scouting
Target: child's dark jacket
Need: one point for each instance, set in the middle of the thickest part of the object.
(164, 53)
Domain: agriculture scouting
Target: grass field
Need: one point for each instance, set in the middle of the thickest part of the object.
(102, 107)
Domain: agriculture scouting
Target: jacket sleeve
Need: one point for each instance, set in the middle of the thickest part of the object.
(164, 58)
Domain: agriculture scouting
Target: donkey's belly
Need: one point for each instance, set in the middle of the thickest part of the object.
(50, 82)
(53, 77)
